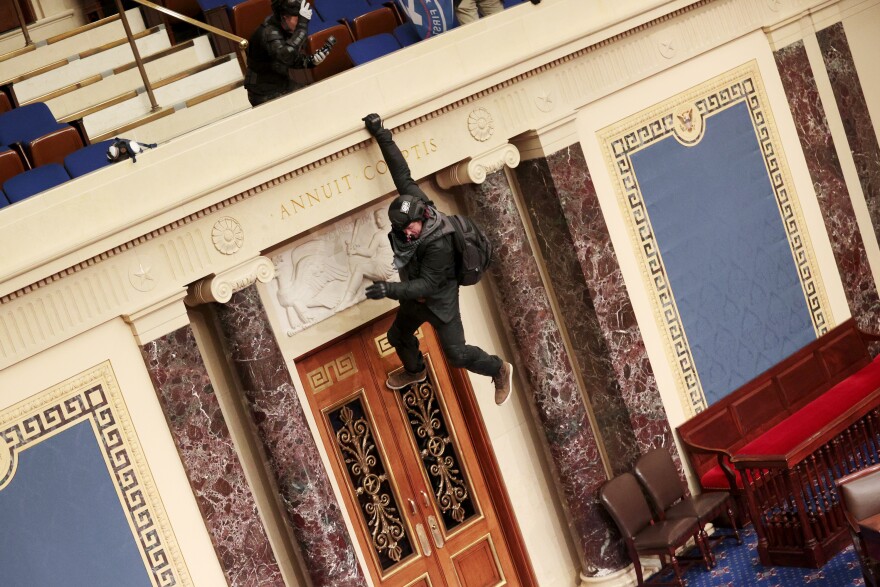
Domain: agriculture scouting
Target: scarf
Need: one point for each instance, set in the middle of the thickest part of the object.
(433, 227)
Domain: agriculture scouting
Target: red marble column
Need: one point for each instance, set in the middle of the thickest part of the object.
(854, 112)
(293, 457)
(554, 395)
(831, 191)
(211, 462)
(576, 245)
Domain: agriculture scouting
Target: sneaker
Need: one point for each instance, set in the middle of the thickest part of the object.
(403, 378)
(503, 382)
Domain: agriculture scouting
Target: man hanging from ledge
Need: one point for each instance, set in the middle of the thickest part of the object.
(424, 255)
(276, 47)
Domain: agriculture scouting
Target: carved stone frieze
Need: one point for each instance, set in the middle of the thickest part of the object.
(221, 287)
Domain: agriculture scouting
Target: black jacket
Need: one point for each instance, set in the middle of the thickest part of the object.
(430, 273)
(271, 53)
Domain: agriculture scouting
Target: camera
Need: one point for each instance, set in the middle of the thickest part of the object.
(122, 149)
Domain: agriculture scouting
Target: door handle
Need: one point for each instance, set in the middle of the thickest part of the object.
(425, 498)
(435, 532)
(423, 539)
(412, 506)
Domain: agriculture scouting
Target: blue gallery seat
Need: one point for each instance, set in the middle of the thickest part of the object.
(88, 159)
(338, 10)
(365, 50)
(3, 201)
(407, 34)
(34, 181)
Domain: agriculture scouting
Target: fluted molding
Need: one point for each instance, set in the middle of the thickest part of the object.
(475, 169)
(221, 287)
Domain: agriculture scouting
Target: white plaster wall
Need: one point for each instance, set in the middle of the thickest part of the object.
(113, 341)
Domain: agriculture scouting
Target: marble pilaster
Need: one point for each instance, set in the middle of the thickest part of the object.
(574, 239)
(206, 449)
(854, 112)
(825, 171)
(313, 512)
(555, 398)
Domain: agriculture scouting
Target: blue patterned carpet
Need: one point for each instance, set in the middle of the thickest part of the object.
(738, 566)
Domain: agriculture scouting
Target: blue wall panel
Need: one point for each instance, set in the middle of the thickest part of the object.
(725, 250)
(62, 520)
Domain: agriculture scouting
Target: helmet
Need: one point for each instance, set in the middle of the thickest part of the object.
(286, 7)
(405, 209)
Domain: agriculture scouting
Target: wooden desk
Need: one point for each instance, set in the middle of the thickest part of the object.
(870, 530)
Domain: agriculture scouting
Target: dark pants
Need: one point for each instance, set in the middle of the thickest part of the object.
(402, 337)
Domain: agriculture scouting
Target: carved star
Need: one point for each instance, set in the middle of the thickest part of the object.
(545, 101)
(141, 278)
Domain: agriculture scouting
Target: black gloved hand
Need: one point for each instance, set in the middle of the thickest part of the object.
(378, 290)
(373, 122)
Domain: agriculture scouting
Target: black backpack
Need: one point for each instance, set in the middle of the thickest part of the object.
(473, 250)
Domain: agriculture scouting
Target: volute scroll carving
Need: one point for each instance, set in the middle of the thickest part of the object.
(476, 169)
(221, 287)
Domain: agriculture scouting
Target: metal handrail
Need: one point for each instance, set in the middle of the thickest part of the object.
(241, 44)
(24, 29)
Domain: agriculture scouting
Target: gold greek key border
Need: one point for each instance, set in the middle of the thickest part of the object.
(94, 396)
(384, 348)
(322, 378)
(620, 140)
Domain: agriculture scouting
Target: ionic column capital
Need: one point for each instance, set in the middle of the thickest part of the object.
(475, 169)
(221, 287)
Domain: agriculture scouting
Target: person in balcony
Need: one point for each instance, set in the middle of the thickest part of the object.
(424, 255)
(468, 11)
(276, 47)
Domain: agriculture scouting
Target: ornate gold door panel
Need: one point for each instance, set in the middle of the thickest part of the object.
(413, 486)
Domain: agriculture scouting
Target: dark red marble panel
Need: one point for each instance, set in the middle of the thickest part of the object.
(553, 391)
(210, 459)
(579, 314)
(854, 112)
(572, 183)
(831, 191)
(293, 456)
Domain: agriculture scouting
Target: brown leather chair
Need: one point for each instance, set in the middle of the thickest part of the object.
(671, 499)
(54, 147)
(5, 103)
(338, 60)
(248, 15)
(380, 20)
(860, 498)
(624, 500)
(10, 164)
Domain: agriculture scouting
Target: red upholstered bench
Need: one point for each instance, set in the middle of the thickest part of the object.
(780, 440)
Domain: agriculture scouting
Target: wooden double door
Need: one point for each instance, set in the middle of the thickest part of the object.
(409, 471)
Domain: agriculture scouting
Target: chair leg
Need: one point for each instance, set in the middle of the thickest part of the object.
(675, 567)
(703, 541)
(733, 523)
(634, 556)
